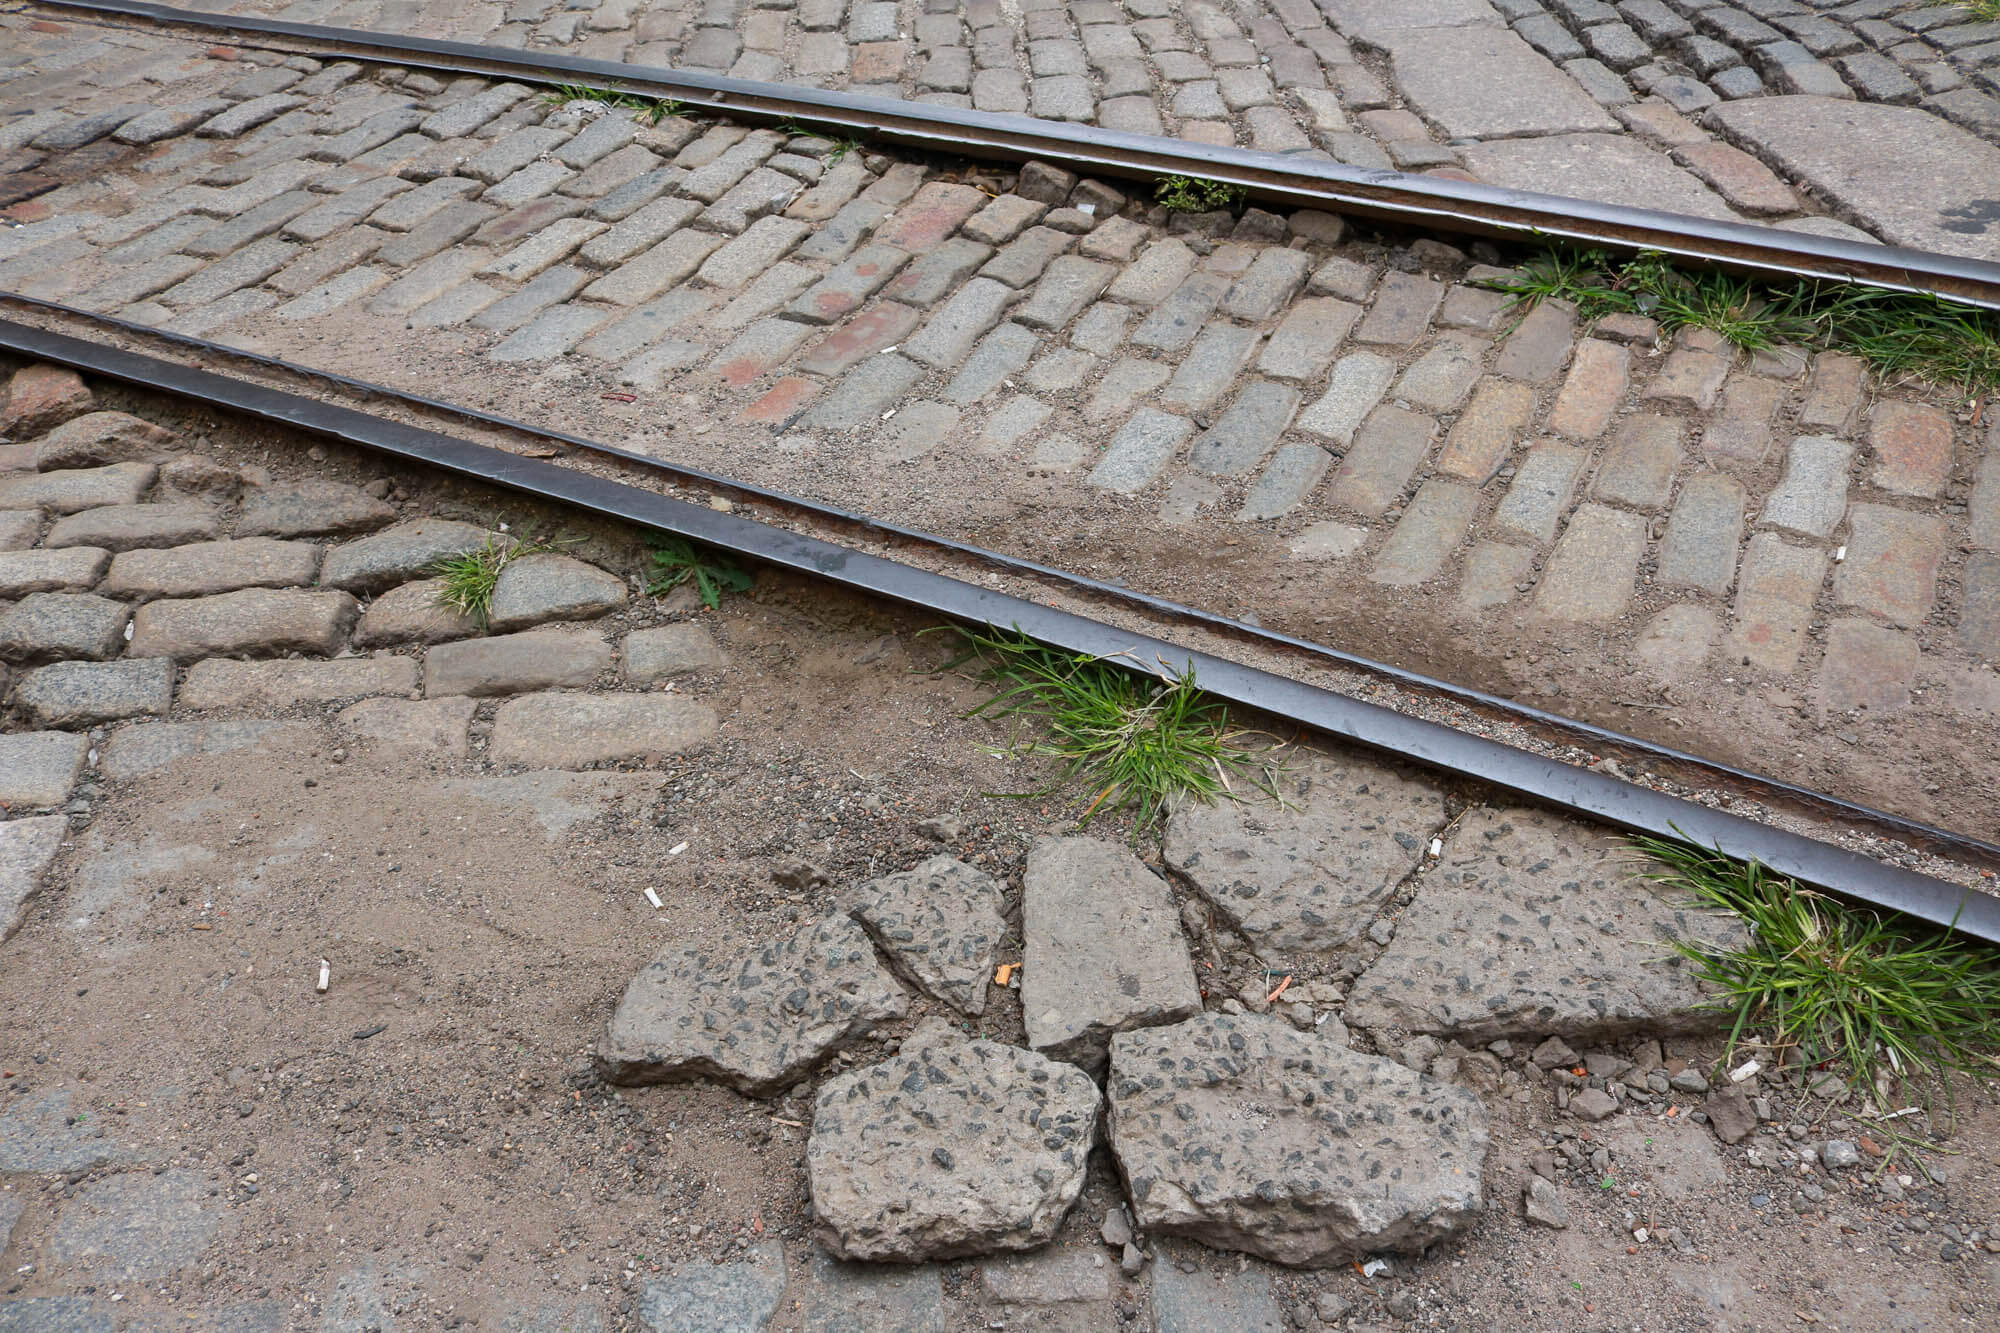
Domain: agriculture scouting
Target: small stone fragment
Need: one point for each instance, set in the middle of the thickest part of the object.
(939, 925)
(1544, 1205)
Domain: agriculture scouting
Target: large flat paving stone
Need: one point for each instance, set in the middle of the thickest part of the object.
(1244, 1133)
(515, 663)
(52, 626)
(312, 509)
(70, 490)
(538, 588)
(1911, 177)
(1103, 949)
(564, 730)
(137, 1226)
(951, 1147)
(857, 1298)
(83, 694)
(1518, 90)
(697, 1296)
(28, 847)
(252, 621)
(939, 925)
(1200, 1302)
(1611, 169)
(757, 1022)
(203, 569)
(1534, 925)
(396, 555)
(42, 1132)
(1310, 875)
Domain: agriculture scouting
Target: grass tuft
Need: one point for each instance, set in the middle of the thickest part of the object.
(676, 560)
(1893, 1005)
(1138, 738)
(1898, 333)
(651, 110)
(1195, 194)
(1988, 10)
(469, 578)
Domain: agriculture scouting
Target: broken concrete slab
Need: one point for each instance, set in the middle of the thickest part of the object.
(939, 925)
(1308, 875)
(1104, 950)
(1532, 925)
(1310, 1154)
(756, 1023)
(951, 1147)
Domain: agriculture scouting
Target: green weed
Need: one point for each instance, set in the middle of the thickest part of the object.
(651, 110)
(1988, 10)
(1137, 737)
(1898, 333)
(1845, 986)
(677, 560)
(1195, 194)
(467, 580)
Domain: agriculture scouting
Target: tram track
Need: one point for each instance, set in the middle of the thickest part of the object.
(825, 543)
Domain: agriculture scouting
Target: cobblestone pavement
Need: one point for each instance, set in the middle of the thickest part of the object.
(1262, 415)
(1877, 108)
(314, 895)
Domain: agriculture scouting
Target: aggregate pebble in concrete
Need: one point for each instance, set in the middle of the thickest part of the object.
(1532, 925)
(1310, 1154)
(951, 1147)
(756, 1021)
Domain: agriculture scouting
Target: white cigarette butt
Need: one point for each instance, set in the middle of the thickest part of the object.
(325, 974)
(654, 898)
(677, 849)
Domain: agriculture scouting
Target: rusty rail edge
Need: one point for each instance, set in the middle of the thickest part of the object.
(1594, 796)
(1547, 726)
(1298, 182)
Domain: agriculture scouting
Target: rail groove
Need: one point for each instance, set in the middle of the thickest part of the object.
(1418, 201)
(1595, 796)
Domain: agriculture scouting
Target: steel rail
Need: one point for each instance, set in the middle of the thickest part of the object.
(1294, 181)
(1594, 796)
(1547, 726)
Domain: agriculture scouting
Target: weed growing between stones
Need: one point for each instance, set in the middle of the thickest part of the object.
(466, 581)
(677, 560)
(1137, 737)
(1195, 194)
(1898, 333)
(1979, 9)
(650, 110)
(1896, 1006)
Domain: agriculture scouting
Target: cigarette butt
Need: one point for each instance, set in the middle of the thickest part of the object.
(204, 925)
(1003, 975)
(325, 975)
(677, 849)
(654, 899)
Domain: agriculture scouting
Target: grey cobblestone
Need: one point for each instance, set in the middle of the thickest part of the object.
(1540, 492)
(945, 340)
(1000, 354)
(868, 391)
(1246, 432)
(1140, 450)
(1388, 448)
(1430, 530)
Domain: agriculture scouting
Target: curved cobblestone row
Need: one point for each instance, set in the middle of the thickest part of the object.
(1632, 102)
